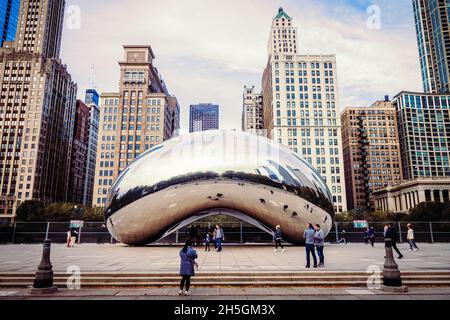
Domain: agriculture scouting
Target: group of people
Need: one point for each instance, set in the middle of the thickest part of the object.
(72, 237)
(390, 233)
(315, 242)
(215, 237)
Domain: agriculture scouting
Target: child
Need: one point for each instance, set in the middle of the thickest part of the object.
(208, 239)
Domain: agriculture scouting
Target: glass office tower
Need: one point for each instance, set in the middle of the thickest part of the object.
(9, 14)
(433, 37)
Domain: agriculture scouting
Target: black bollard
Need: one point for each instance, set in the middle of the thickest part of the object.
(43, 281)
(392, 278)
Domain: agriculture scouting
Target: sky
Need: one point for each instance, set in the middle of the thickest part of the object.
(208, 50)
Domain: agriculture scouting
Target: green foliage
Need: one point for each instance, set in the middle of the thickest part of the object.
(30, 211)
(431, 211)
(427, 211)
(35, 211)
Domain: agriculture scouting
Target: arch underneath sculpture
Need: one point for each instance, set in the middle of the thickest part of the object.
(218, 212)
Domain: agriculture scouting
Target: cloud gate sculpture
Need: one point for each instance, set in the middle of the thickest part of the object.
(198, 175)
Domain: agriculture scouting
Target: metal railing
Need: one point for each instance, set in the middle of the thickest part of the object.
(235, 232)
(430, 232)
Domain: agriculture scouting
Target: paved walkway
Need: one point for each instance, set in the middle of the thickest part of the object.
(119, 258)
(233, 294)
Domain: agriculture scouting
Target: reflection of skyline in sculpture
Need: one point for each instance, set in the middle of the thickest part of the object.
(180, 179)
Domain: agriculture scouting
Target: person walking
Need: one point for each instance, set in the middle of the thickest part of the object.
(308, 235)
(391, 233)
(219, 237)
(73, 237)
(319, 241)
(187, 263)
(278, 239)
(343, 237)
(411, 239)
(371, 235)
(69, 236)
(208, 238)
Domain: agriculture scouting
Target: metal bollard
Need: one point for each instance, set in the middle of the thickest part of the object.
(43, 281)
(392, 279)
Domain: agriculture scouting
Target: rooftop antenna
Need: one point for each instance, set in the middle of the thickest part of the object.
(91, 78)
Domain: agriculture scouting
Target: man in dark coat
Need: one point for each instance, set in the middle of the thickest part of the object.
(391, 233)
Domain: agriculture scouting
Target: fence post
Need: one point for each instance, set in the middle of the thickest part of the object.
(79, 234)
(336, 231)
(112, 240)
(242, 236)
(176, 237)
(400, 232)
(46, 231)
(431, 232)
(14, 233)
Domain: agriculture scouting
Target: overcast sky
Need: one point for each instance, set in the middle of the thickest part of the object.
(207, 50)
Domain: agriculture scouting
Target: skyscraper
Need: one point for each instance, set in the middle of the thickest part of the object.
(301, 104)
(9, 16)
(252, 111)
(424, 131)
(371, 152)
(79, 154)
(92, 100)
(203, 117)
(140, 116)
(433, 37)
(37, 110)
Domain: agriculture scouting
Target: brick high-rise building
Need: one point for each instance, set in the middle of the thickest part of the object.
(37, 109)
(371, 152)
(301, 105)
(252, 111)
(137, 118)
(79, 155)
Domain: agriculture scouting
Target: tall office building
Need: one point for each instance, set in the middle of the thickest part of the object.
(140, 116)
(252, 111)
(203, 117)
(79, 154)
(9, 16)
(92, 101)
(301, 105)
(433, 37)
(424, 131)
(371, 152)
(37, 110)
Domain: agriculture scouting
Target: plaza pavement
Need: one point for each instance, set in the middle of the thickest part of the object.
(119, 258)
(206, 293)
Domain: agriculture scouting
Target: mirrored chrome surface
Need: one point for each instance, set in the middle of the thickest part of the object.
(196, 175)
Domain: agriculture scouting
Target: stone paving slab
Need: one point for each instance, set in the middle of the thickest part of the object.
(203, 293)
(119, 258)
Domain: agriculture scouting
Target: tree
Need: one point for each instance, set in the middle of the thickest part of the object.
(95, 214)
(430, 211)
(30, 211)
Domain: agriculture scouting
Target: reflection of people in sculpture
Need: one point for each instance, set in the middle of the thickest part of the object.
(192, 234)
(198, 235)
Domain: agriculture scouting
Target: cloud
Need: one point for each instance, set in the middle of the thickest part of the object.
(207, 50)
